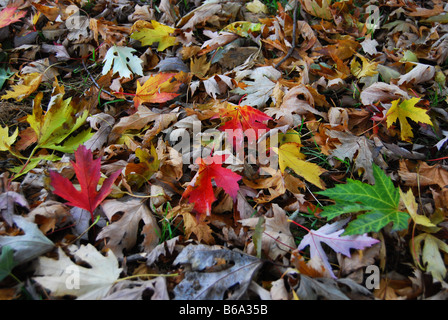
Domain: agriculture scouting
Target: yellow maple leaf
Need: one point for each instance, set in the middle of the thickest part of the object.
(367, 69)
(290, 157)
(29, 83)
(403, 110)
(5, 139)
(158, 33)
(408, 200)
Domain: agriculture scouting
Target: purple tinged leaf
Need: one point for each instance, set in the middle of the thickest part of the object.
(330, 234)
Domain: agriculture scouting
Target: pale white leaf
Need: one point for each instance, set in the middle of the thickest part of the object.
(124, 62)
(64, 277)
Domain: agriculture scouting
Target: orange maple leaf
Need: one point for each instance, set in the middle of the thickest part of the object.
(159, 88)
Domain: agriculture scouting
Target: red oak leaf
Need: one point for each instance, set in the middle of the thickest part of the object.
(10, 15)
(200, 190)
(243, 118)
(88, 174)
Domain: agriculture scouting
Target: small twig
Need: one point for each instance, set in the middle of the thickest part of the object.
(294, 31)
(98, 86)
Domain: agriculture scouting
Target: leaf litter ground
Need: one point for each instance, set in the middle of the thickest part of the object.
(100, 200)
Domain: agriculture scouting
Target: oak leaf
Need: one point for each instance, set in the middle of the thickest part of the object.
(122, 234)
(88, 173)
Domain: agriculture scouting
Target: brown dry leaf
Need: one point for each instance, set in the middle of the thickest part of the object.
(122, 234)
(294, 105)
(306, 268)
(49, 214)
(277, 239)
(383, 92)
(360, 146)
(200, 229)
(210, 11)
(423, 174)
(274, 186)
(141, 119)
(318, 8)
(199, 66)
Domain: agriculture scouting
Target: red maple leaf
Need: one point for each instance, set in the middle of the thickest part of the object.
(88, 174)
(10, 15)
(200, 190)
(243, 118)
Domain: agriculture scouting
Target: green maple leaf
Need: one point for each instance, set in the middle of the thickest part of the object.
(379, 202)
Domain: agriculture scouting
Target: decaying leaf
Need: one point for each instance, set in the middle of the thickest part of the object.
(276, 238)
(430, 255)
(217, 274)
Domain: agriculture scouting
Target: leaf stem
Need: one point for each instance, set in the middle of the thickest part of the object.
(146, 275)
(298, 224)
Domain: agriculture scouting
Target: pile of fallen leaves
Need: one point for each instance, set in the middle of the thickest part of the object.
(117, 180)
